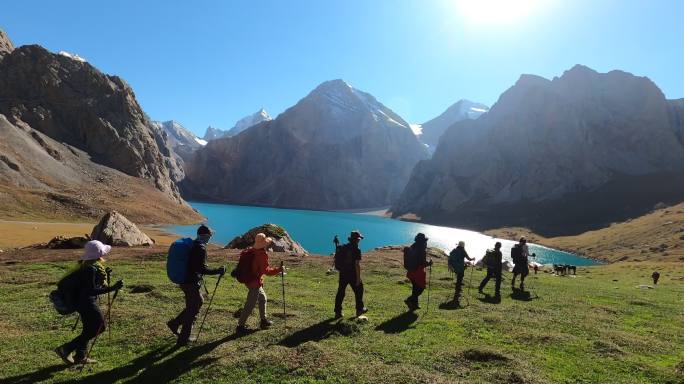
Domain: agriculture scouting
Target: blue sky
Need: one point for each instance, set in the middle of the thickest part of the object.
(211, 62)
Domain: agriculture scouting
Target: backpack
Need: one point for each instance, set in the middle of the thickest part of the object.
(489, 258)
(516, 254)
(177, 260)
(344, 260)
(243, 271)
(410, 259)
(64, 298)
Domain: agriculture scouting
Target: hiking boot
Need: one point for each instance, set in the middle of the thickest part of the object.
(184, 342)
(241, 330)
(173, 329)
(64, 355)
(480, 291)
(409, 303)
(86, 360)
(361, 311)
(265, 324)
(338, 315)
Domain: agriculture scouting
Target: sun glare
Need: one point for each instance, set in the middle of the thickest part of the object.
(496, 11)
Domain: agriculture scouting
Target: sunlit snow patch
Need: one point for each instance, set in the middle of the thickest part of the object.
(72, 56)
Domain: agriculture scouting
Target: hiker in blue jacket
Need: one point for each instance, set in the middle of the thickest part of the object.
(197, 267)
(91, 281)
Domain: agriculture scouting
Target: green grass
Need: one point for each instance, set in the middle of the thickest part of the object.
(588, 329)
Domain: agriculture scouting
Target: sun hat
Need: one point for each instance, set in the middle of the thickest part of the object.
(420, 237)
(95, 249)
(355, 235)
(261, 241)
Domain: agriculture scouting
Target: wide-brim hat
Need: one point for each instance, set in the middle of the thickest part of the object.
(261, 241)
(95, 249)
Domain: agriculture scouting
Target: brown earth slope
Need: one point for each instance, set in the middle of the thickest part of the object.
(656, 236)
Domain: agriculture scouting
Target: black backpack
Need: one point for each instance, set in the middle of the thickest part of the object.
(516, 254)
(64, 298)
(410, 259)
(344, 259)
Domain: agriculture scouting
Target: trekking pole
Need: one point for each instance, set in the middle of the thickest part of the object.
(282, 283)
(470, 283)
(109, 304)
(427, 307)
(90, 350)
(211, 300)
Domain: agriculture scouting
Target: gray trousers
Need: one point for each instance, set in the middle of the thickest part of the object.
(253, 295)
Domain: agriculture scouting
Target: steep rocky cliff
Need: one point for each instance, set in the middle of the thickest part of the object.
(338, 148)
(560, 156)
(72, 102)
(75, 143)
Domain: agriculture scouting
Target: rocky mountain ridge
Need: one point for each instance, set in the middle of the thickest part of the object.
(432, 130)
(562, 155)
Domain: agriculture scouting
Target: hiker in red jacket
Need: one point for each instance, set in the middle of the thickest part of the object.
(254, 281)
(417, 276)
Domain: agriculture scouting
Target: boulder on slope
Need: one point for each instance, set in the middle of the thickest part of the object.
(116, 230)
(282, 242)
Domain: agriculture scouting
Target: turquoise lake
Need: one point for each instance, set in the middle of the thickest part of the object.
(315, 230)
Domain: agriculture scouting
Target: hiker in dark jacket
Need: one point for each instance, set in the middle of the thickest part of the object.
(336, 241)
(520, 255)
(417, 276)
(91, 283)
(456, 264)
(348, 263)
(655, 276)
(493, 270)
(197, 267)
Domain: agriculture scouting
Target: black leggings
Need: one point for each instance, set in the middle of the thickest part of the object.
(348, 279)
(93, 324)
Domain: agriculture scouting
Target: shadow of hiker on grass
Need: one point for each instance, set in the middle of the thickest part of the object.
(521, 295)
(316, 332)
(489, 299)
(149, 372)
(399, 323)
(34, 377)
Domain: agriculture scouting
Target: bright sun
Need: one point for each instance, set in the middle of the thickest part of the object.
(496, 11)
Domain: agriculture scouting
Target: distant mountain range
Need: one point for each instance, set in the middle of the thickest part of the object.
(559, 156)
(337, 148)
(242, 124)
(432, 130)
(71, 134)
(183, 142)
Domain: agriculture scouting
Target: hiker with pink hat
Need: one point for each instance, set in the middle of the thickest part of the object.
(252, 267)
(86, 282)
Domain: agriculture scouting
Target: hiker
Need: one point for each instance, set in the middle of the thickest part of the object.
(456, 265)
(416, 272)
(492, 261)
(655, 276)
(196, 269)
(91, 281)
(252, 274)
(520, 254)
(348, 263)
(336, 242)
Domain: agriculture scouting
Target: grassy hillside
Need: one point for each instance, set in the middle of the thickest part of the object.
(592, 328)
(658, 235)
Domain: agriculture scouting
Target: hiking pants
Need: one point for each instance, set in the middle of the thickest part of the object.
(93, 324)
(254, 295)
(416, 291)
(496, 273)
(459, 284)
(523, 271)
(193, 303)
(348, 278)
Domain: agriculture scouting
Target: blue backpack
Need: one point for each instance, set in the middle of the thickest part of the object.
(177, 260)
